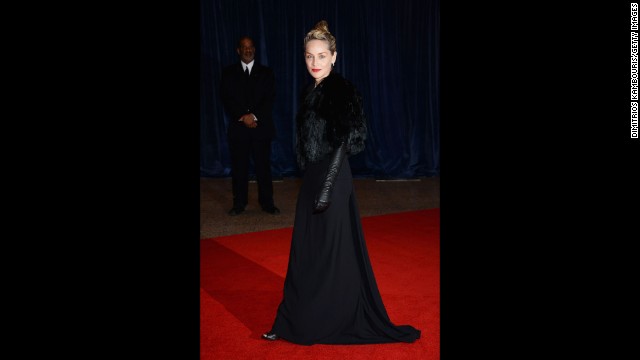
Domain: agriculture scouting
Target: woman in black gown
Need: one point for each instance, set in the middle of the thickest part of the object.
(330, 292)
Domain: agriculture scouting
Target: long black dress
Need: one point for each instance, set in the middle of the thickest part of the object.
(330, 292)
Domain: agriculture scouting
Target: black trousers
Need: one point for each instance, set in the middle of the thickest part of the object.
(241, 153)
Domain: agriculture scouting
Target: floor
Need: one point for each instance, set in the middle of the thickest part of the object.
(375, 197)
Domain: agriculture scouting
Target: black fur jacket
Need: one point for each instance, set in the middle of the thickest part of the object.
(329, 115)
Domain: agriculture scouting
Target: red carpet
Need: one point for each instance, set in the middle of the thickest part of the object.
(241, 279)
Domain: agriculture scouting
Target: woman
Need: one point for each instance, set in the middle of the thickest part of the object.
(330, 292)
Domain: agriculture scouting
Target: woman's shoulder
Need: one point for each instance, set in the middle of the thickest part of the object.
(337, 80)
(339, 86)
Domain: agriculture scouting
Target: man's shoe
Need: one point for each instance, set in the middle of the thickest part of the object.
(271, 336)
(271, 210)
(235, 211)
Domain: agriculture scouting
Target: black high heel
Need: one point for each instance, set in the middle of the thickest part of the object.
(271, 336)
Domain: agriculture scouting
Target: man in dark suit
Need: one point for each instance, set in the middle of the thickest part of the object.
(248, 92)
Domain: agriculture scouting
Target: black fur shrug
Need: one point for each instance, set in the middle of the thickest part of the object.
(329, 114)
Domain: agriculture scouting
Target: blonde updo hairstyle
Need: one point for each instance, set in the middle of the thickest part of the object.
(321, 32)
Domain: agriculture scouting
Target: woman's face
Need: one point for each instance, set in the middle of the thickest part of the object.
(319, 59)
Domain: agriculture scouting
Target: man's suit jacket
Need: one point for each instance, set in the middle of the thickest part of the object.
(242, 95)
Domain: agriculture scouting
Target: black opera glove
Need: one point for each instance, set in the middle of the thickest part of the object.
(322, 200)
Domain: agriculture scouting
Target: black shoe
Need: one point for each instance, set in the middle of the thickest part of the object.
(271, 209)
(271, 336)
(235, 211)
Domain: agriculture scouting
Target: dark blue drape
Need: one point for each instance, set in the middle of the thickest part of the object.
(389, 49)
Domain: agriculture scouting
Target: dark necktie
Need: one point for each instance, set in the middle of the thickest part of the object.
(246, 71)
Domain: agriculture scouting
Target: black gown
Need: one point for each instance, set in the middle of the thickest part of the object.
(330, 292)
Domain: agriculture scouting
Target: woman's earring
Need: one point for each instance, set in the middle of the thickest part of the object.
(333, 64)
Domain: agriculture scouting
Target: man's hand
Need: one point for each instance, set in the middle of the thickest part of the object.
(249, 121)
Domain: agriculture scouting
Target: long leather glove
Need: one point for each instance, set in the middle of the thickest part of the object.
(323, 198)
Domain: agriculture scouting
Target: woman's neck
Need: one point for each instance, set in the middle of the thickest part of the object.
(318, 81)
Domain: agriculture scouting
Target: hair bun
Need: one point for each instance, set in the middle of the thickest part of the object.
(323, 26)
(321, 32)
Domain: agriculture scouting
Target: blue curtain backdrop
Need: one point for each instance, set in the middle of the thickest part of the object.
(390, 50)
